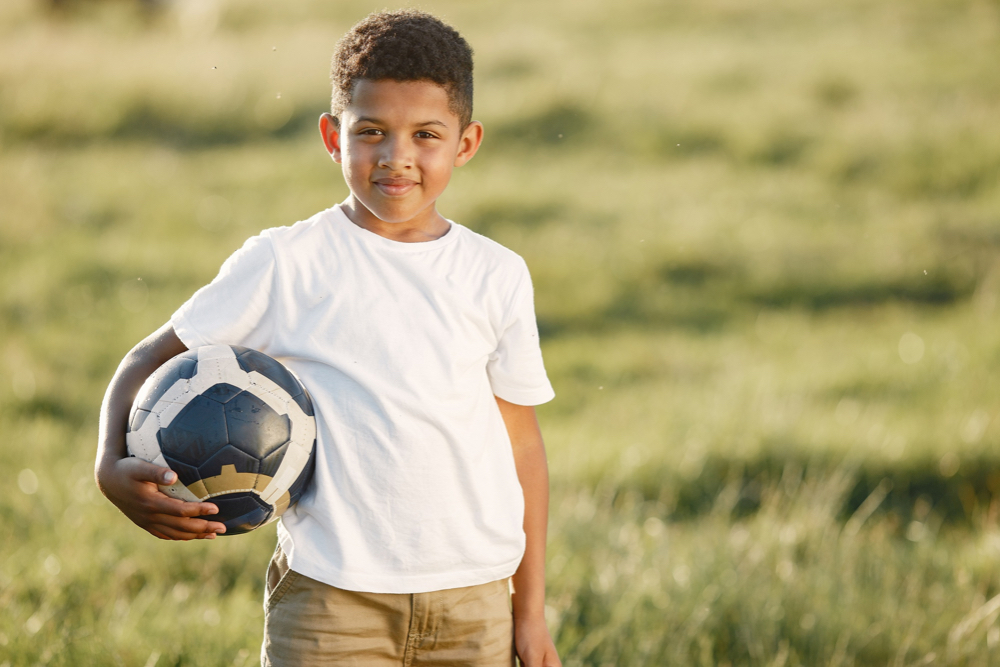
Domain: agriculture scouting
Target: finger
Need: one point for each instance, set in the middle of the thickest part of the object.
(174, 534)
(188, 508)
(164, 504)
(188, 530)
(193, 524)
(189, 525)
(144, 471)
(166, 533)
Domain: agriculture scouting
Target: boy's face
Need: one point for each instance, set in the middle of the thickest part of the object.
(398, 142)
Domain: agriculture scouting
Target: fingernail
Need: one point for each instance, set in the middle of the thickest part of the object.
(168, 477)
(212, 509)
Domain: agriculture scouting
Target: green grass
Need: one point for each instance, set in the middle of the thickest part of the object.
(764, 239)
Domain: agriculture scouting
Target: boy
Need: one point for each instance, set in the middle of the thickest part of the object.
(417, 340)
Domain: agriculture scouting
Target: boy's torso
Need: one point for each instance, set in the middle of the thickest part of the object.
(415, 486)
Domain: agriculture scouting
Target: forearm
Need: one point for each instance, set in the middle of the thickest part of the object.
(132, 483)
(529, 580)
(133, 370)
(533, 474)
(531, 636)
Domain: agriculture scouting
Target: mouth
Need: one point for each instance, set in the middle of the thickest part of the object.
(394, 187)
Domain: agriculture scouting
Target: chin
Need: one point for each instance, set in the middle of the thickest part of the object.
(386, 212)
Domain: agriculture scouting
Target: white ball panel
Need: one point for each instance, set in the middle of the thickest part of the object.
(166, 411)
(143, 442)
(299, 449)
(179, 491)
(179, 392)
(292, 463)
(207, 352)
(217, 364)
(274, 396)
(172, 402)
(217, 371)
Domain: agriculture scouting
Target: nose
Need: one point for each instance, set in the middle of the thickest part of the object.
(396, 154)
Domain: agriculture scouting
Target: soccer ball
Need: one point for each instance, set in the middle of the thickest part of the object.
(235, 425)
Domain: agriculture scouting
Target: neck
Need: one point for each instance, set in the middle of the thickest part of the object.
(428, 225)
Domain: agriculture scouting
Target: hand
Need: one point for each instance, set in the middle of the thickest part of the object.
(534, 645)
(131, 484)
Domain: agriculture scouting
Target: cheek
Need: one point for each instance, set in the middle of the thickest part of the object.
(353, 160)
(439, 164)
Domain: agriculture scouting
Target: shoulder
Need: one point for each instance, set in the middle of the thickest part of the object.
(290, 244)
(303, 232)
(490, 254)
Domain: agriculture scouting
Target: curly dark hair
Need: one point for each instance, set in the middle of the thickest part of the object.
(403, 45)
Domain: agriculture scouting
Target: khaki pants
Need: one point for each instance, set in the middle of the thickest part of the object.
(310, 623)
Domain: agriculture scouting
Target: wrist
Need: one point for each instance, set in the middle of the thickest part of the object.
(528, 597)
(529, 612)
(530, 619)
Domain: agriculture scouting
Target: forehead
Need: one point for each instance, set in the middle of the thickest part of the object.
(401, 101)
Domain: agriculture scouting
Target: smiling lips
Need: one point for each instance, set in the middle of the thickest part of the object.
(395, 187)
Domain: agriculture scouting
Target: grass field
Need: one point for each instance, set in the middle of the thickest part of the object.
(765, 239)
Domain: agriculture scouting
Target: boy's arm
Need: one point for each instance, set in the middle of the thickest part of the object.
(131, 483)
(531, 637)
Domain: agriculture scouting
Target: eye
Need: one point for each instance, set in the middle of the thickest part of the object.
(371, 131)
(423, 134)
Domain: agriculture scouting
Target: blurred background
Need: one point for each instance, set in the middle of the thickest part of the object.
(764, 238)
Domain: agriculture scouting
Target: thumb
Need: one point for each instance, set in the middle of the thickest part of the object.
(144, 471)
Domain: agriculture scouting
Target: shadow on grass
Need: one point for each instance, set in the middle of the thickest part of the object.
(563, 123)
(960, 492)
(491, 216)
(937, 289)
(147, 122)
(704, 296)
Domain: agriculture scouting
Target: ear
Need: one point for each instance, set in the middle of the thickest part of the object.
(329, 128)
(472, 137)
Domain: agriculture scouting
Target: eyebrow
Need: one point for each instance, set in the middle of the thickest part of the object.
(369, 119)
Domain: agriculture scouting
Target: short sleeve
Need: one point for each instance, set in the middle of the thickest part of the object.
(233, 308)
(515, 369)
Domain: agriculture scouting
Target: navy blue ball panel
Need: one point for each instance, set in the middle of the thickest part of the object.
(305, 402)
(181, 367)
(254, 427)
(269, 464)
(228, 456)
(196, 433)
(241, 513)
(252, 360)
(221, 393)
(187, 474)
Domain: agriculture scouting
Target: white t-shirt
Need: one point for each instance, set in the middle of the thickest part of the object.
(402, 347)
